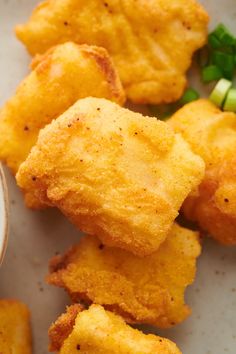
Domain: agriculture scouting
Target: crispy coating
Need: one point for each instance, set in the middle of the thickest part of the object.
(59, 78)
(15, 332)
(142, 290)
(62, 328)
(114, 173)
(151, 42)
(211, 134)
(102, 332)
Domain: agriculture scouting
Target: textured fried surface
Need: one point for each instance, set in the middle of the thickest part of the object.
(151, 42)
(212, 134)
(115, 173)
(101, 332)
(142, 290)
(15, 333)
(62, 328)
(59, 78)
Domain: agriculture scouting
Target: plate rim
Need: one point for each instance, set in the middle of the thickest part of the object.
(6, 214)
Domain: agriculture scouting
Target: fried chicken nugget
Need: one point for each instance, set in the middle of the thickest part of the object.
(102, 332)
(114, 173)
(142, 290)
(151, 42)
(211, 134)
(62, 328)
(59, 78)
(15, 332)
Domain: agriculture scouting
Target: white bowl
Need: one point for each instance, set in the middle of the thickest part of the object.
(3, 215)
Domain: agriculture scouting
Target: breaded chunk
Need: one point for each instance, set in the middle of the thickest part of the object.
(15, 332)
(62, 328)
(151, 42)
(59, 78)
(114, 173)
(102, 332)
(212, 135)
(142, 290)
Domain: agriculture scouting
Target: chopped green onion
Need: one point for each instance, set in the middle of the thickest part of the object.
(220, 91)
(214, 41)
(223, 34)
(211, 73)
(230, 102)
(229, 74)
(189, 96)
(224, 61)
(228, 49)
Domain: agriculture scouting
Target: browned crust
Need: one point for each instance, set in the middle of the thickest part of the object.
(204, 210)
(139, 310)
(105, 63)
(57, 266)
(59, 262)
(62, 328)
(39, 58)
(100, 56)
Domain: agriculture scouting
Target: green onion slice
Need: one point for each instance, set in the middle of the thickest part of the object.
(220, 91)
(214, 41)
(224, 61)
(211, 73)
(189, 96)
(230, 102)
(223, 34)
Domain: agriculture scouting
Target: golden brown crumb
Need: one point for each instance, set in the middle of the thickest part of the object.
(62, 328)
(152, 46)
(142, 290)
(59, 78)
(114, 173)
(15, 332)
(212, 135)
(101, 332)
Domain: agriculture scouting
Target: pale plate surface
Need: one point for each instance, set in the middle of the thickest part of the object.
(35, 237)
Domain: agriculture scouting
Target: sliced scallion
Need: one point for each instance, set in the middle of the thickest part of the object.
(224, 61)
(220, 91)
(223, 34)
(230, 102)
(214, 41)
(211, 73)
(189, 96)
(229, 74)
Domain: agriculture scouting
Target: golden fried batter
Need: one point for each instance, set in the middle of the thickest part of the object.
(142, 290)
(98, 331)
(59, 78)
(211, 134)
(151, 42)
(15, 332)
(62, 328)
(114, 173)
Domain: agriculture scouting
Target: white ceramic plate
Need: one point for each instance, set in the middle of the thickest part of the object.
(3, 215)
(36, 236)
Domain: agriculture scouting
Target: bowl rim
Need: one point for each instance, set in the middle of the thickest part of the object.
(3, 247)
